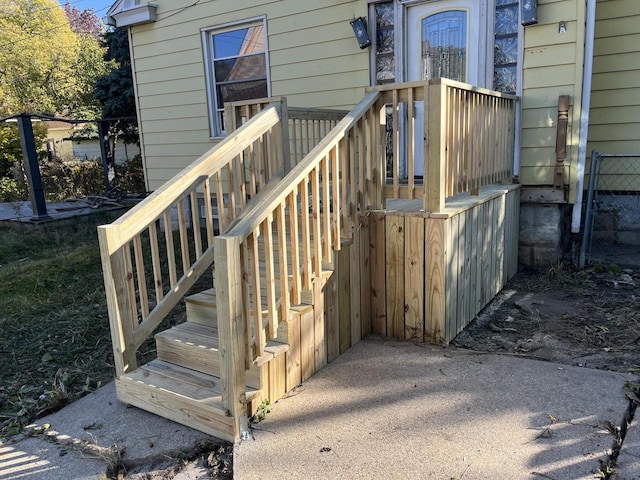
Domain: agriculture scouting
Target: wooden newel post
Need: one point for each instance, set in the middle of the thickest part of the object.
(434, 146)
(286, 146)
(561, 140)
(230, 330)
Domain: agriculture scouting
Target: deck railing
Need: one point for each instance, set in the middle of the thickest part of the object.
(311, 210)
(291, 230)
(468, 139)
(307, 126)
(147, 268)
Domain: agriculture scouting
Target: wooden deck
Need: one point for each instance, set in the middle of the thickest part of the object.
(317, 244)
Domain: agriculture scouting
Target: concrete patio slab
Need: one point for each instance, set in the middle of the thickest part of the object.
(398, 410)
(82, 438)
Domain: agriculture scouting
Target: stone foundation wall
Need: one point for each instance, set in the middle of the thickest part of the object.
(545, 233)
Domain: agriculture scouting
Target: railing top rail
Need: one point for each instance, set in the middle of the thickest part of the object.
(138, 218)
(262, 209)
(441, 81)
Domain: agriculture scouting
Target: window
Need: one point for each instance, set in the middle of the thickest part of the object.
(236, 67)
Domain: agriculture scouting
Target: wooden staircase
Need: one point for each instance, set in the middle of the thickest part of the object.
(183, 384)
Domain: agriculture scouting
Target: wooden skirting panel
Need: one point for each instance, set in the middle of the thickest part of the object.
(431, 274)
(332, 317)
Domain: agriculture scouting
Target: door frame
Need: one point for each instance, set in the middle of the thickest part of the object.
(485, 31)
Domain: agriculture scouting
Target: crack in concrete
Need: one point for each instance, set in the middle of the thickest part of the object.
(608, 467)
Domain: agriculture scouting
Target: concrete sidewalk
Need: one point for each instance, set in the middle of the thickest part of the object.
(396, 410)
(382, 410)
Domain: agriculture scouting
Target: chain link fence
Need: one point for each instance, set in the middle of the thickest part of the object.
(611, 231)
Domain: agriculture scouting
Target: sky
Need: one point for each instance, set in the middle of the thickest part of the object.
(99, 6)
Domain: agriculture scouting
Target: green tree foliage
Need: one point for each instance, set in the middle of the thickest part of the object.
(115, 89)
(37, 55)
(50, 58)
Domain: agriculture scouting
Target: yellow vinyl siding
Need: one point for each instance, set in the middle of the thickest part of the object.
(313, 58)
(552, 66)
(614, 121)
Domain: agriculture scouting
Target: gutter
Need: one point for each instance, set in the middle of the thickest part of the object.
(584, 113)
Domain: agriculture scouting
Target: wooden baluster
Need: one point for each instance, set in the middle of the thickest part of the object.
(254, 275)
(295, 247)
(306, 236)
(395, 138)
(283, 270)
(231, 189)
(272, 312)
(246, 307)
(316, 223)
(410, 145)
(343, 174)
(252, 170)
(242, 180)
(208, 212)
(141, 277)
(184, 240)
(326, 210)
(362, 167)
(335, 196)
(171, 253)
(353, 179)
(195, 223)
(222, 214)
(155, 261)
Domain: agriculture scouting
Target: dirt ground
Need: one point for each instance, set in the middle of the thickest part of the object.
(588, 318)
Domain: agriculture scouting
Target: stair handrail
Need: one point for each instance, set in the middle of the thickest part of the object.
(130, 248)
(339, 178)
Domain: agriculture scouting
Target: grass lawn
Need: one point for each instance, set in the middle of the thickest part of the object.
(55, 344)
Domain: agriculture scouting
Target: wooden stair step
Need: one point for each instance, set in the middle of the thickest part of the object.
(179, 394)
(196, 347)
(201, 308)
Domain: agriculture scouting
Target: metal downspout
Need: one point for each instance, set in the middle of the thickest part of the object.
(584, 113)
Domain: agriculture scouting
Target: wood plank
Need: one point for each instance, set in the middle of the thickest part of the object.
(343, 281)
(394, 272)
(355, 283)
(414, 264)
(500, 214)
(366, 293)
(331, 317)
(462, 298)
(435, 271)
(451, 277)
(476, 250)
(320, 347)
(490, 252)
(277, 378)
(377, 276)
(307, 344)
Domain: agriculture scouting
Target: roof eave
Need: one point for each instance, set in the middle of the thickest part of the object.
(136, 15)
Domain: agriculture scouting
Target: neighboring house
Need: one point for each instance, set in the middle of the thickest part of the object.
(65, 142)
(189, 58)
(57, 144)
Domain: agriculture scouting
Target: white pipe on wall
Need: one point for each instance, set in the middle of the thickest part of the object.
(584, 113)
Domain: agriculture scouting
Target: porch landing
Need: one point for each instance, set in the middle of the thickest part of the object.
(388, 409)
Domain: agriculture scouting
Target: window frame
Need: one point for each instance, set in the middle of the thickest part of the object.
(216, 129)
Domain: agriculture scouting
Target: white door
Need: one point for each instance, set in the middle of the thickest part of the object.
(445, 38)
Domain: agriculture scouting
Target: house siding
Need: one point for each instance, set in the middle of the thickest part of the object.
(313, 58)
(614, 120)
(552, 66)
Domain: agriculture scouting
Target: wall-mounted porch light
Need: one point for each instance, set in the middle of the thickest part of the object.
(359, 26)
(528, 12)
